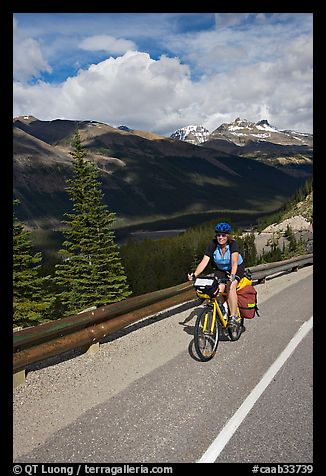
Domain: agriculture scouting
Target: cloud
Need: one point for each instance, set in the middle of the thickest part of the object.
(159, 95)
(107, 43)
(132, 89)
(255, 67)
(28, 60)
(230, 19)
(240, 39)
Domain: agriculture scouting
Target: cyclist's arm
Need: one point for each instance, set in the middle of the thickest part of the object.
(202, 265)
(234, 263)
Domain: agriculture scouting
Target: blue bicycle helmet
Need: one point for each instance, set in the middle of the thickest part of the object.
(223, 227)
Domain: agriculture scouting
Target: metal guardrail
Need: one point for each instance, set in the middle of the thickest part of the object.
(38, 343)
(262, 271)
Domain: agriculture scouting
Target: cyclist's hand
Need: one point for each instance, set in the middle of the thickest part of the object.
(191, 276)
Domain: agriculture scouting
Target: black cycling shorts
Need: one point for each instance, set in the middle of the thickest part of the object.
(220, 273)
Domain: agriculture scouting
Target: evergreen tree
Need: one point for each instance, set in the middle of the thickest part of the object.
(248, 249)
(291, 238)
(91, 273)
(30, 299)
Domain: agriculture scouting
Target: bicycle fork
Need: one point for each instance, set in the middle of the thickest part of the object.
(207, 323)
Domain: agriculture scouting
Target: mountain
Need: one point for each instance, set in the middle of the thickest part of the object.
(149, 181)
(240, 132)
(192, 134)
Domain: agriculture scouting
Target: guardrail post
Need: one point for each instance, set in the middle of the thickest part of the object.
(92, 349)
(19, 378)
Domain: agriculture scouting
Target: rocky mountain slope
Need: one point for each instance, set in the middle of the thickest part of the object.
(241, 131)
(299, 219)
(146, 179)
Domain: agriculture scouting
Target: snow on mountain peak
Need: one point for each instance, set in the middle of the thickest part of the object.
(193, 134)
(265, 126)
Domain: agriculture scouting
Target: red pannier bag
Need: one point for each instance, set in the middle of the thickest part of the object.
(247, 301)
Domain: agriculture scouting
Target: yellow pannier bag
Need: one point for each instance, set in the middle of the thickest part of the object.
(244, 282)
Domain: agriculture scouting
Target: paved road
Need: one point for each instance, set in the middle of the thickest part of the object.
(144, 397)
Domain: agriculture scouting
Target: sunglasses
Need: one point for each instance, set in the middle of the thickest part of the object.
(222, 235)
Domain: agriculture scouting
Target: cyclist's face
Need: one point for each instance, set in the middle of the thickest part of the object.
(222, 237)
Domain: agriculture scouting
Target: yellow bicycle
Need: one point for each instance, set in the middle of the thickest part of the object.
(213, 317)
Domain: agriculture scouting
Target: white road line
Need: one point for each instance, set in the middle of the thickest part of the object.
(230, 428)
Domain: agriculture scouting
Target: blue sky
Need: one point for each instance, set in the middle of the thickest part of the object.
(162, 71)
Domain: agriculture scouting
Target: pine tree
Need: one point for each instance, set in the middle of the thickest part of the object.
(30, 298)
(248, 249)
(91, 273)
(289, 234)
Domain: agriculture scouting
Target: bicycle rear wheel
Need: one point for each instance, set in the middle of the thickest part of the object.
(205, 338)
(235, 331)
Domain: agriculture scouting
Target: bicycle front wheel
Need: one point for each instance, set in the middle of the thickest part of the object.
(206, 336)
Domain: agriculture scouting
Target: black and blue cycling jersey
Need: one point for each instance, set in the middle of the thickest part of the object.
(223, 262)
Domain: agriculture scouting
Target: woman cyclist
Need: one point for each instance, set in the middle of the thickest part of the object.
(224, 252)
